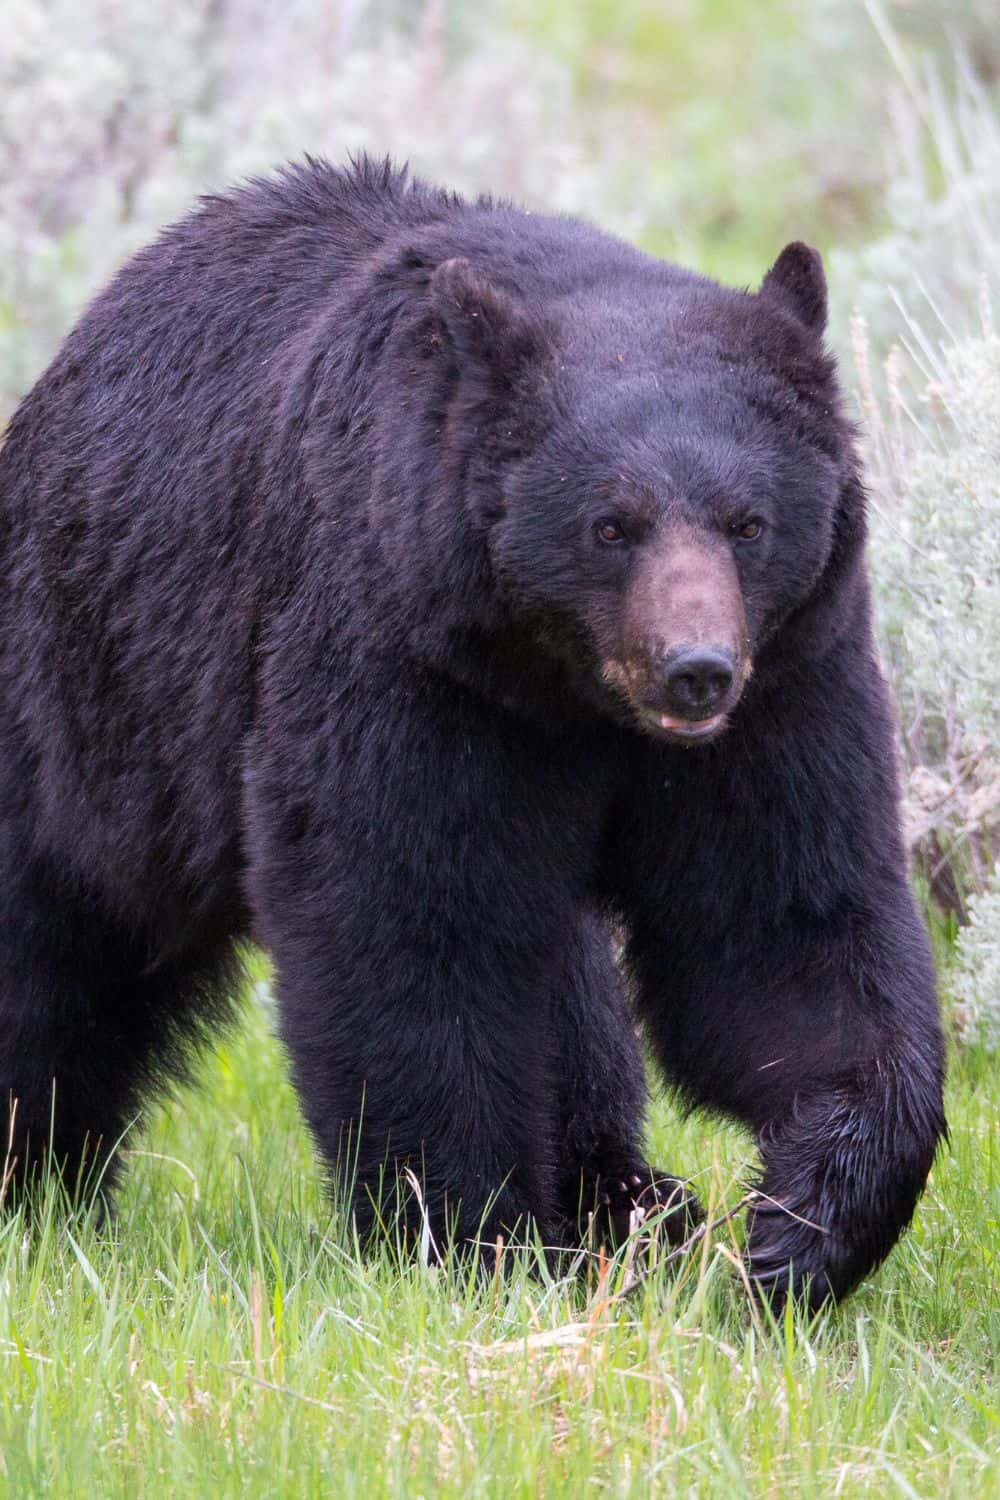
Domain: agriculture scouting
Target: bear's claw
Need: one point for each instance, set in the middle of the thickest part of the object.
(635, 1198)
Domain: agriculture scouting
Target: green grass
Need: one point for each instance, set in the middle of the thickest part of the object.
(223, 1338)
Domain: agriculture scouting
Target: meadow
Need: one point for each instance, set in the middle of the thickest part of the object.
(223, 1337)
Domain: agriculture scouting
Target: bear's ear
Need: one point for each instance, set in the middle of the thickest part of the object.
(797, 283)
(486, 325)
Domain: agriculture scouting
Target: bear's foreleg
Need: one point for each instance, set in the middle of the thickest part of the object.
(835, 1062)
(415, 881)
(783, 972)
(602, 1167)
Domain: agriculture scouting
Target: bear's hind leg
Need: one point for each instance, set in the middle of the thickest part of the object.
(87, 1026)
(602, 1102)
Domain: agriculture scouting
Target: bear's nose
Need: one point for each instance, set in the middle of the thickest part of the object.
(696, 679)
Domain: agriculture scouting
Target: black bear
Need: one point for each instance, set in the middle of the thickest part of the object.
(427, 589)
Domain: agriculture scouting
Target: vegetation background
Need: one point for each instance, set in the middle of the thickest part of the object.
(223, 1336)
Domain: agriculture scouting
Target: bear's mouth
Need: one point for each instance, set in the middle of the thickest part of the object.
(680, 731)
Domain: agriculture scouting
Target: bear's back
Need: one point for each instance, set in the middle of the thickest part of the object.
(128, 481)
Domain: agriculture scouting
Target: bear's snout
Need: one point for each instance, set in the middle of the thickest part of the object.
(685, 640)
(688, 692)
(697, 680)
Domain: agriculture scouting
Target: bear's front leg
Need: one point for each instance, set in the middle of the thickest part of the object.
(782, 971)
(844, 1164)
(833, 1057)
(416, 878)
(603, 1176)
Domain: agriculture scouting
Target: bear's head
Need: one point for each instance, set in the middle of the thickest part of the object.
(661, 470)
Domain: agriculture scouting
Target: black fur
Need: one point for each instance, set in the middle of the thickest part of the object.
(308, 632)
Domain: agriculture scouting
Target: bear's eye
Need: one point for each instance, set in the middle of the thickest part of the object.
(609, 531)
(746, 531)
